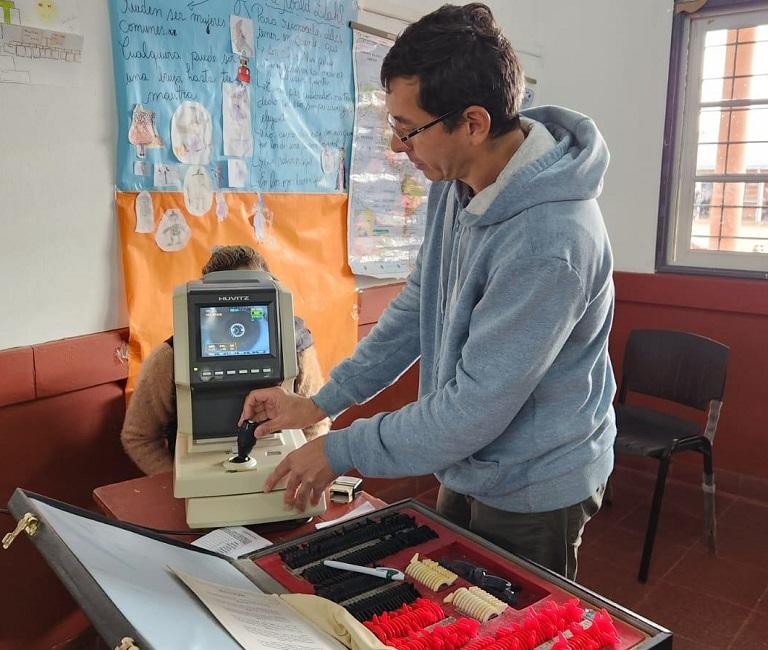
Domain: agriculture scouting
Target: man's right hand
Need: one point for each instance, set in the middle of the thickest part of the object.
(277, 409)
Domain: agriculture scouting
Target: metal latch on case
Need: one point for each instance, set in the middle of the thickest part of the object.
(28, 523)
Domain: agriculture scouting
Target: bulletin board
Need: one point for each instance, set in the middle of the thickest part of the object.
(234, 127)
(257, 93)
(304, 248)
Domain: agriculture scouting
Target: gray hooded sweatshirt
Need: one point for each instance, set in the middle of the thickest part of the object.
(509, 309)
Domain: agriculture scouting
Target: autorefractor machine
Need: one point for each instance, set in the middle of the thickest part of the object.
(233, 332)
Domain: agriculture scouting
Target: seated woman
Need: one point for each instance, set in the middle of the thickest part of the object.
(149, 429)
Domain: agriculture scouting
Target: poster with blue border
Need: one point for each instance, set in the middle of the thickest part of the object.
(258, 94)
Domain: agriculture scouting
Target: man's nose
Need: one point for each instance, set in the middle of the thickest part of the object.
(396, 144)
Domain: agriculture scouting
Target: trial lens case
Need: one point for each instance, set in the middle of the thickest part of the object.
(118, 573)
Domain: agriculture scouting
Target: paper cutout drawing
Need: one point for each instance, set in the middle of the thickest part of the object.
(243, 72)
(192, 133)
(166, 175)
(241, 32)
(236, 120)
(173, 233)
(145, 216)
(142, 132)
(198, 192)
(221, 206)
(262, 221)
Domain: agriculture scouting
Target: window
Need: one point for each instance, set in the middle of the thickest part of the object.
(713, 214)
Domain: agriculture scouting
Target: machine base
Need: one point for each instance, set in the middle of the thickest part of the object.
(243, 509)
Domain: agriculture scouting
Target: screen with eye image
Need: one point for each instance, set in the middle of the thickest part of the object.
(234, 330)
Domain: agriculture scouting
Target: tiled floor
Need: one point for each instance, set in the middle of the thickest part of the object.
(709, 601)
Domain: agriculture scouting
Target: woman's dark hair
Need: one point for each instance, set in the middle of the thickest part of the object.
(461, 59)
(231, 258)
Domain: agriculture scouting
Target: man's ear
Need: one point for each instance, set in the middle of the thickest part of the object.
(478, 122)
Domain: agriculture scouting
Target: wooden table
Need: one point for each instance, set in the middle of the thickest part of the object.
(149, 501)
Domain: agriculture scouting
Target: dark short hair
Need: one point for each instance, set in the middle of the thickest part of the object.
(461, 59)
(229, 258)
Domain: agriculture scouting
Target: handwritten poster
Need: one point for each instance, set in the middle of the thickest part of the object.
(387, 194)
(293, 56)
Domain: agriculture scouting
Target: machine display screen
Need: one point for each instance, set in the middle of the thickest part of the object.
(234, 330)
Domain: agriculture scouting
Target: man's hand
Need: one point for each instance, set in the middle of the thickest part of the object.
(277, 409)
(308, 472)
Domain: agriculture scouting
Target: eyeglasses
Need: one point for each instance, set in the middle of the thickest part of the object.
(405, 137)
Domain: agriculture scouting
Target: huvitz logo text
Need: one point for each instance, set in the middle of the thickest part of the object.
(229, 298)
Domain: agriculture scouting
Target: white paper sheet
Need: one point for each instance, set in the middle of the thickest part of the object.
(237, 173)
(30, 55)
(256, 620)
(61, 15)
(356, 512)
(234, 541)
(236, 120)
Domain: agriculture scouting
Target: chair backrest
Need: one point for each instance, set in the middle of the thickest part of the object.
(677, 366)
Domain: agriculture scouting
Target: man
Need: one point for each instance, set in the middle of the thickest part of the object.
(149, 429)
(509, 308)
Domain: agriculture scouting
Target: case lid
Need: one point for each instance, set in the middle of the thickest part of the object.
(119, 575)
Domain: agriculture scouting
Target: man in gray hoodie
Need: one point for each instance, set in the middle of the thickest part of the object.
(508, 308)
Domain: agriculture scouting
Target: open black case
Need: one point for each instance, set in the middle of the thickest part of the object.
(119, 575)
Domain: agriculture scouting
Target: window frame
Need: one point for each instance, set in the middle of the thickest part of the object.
(682, 118)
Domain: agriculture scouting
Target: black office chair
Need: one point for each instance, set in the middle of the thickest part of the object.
(683, 368)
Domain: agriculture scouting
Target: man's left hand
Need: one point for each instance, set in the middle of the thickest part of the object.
(308, 472)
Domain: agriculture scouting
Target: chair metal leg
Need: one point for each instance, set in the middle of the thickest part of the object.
(653, 517)
(708, 487)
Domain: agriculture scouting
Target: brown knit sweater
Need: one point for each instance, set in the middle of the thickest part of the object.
(153, 406)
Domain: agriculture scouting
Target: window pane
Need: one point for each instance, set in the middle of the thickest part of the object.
(754, 194)
(719, 37)
(729, 194)
(751, 58)
(748, 157)
(717, 89)
(755, 87)
(753, 216)
(709, 125)
(744, 245)
(714, 61)
(730, 217)
(710, 157)
(703, 243)
(731, 245)
(757, 125)
(703, 196)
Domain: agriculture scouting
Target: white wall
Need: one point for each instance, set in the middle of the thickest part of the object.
(608, 59)
(58, 248)
(59, 260)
